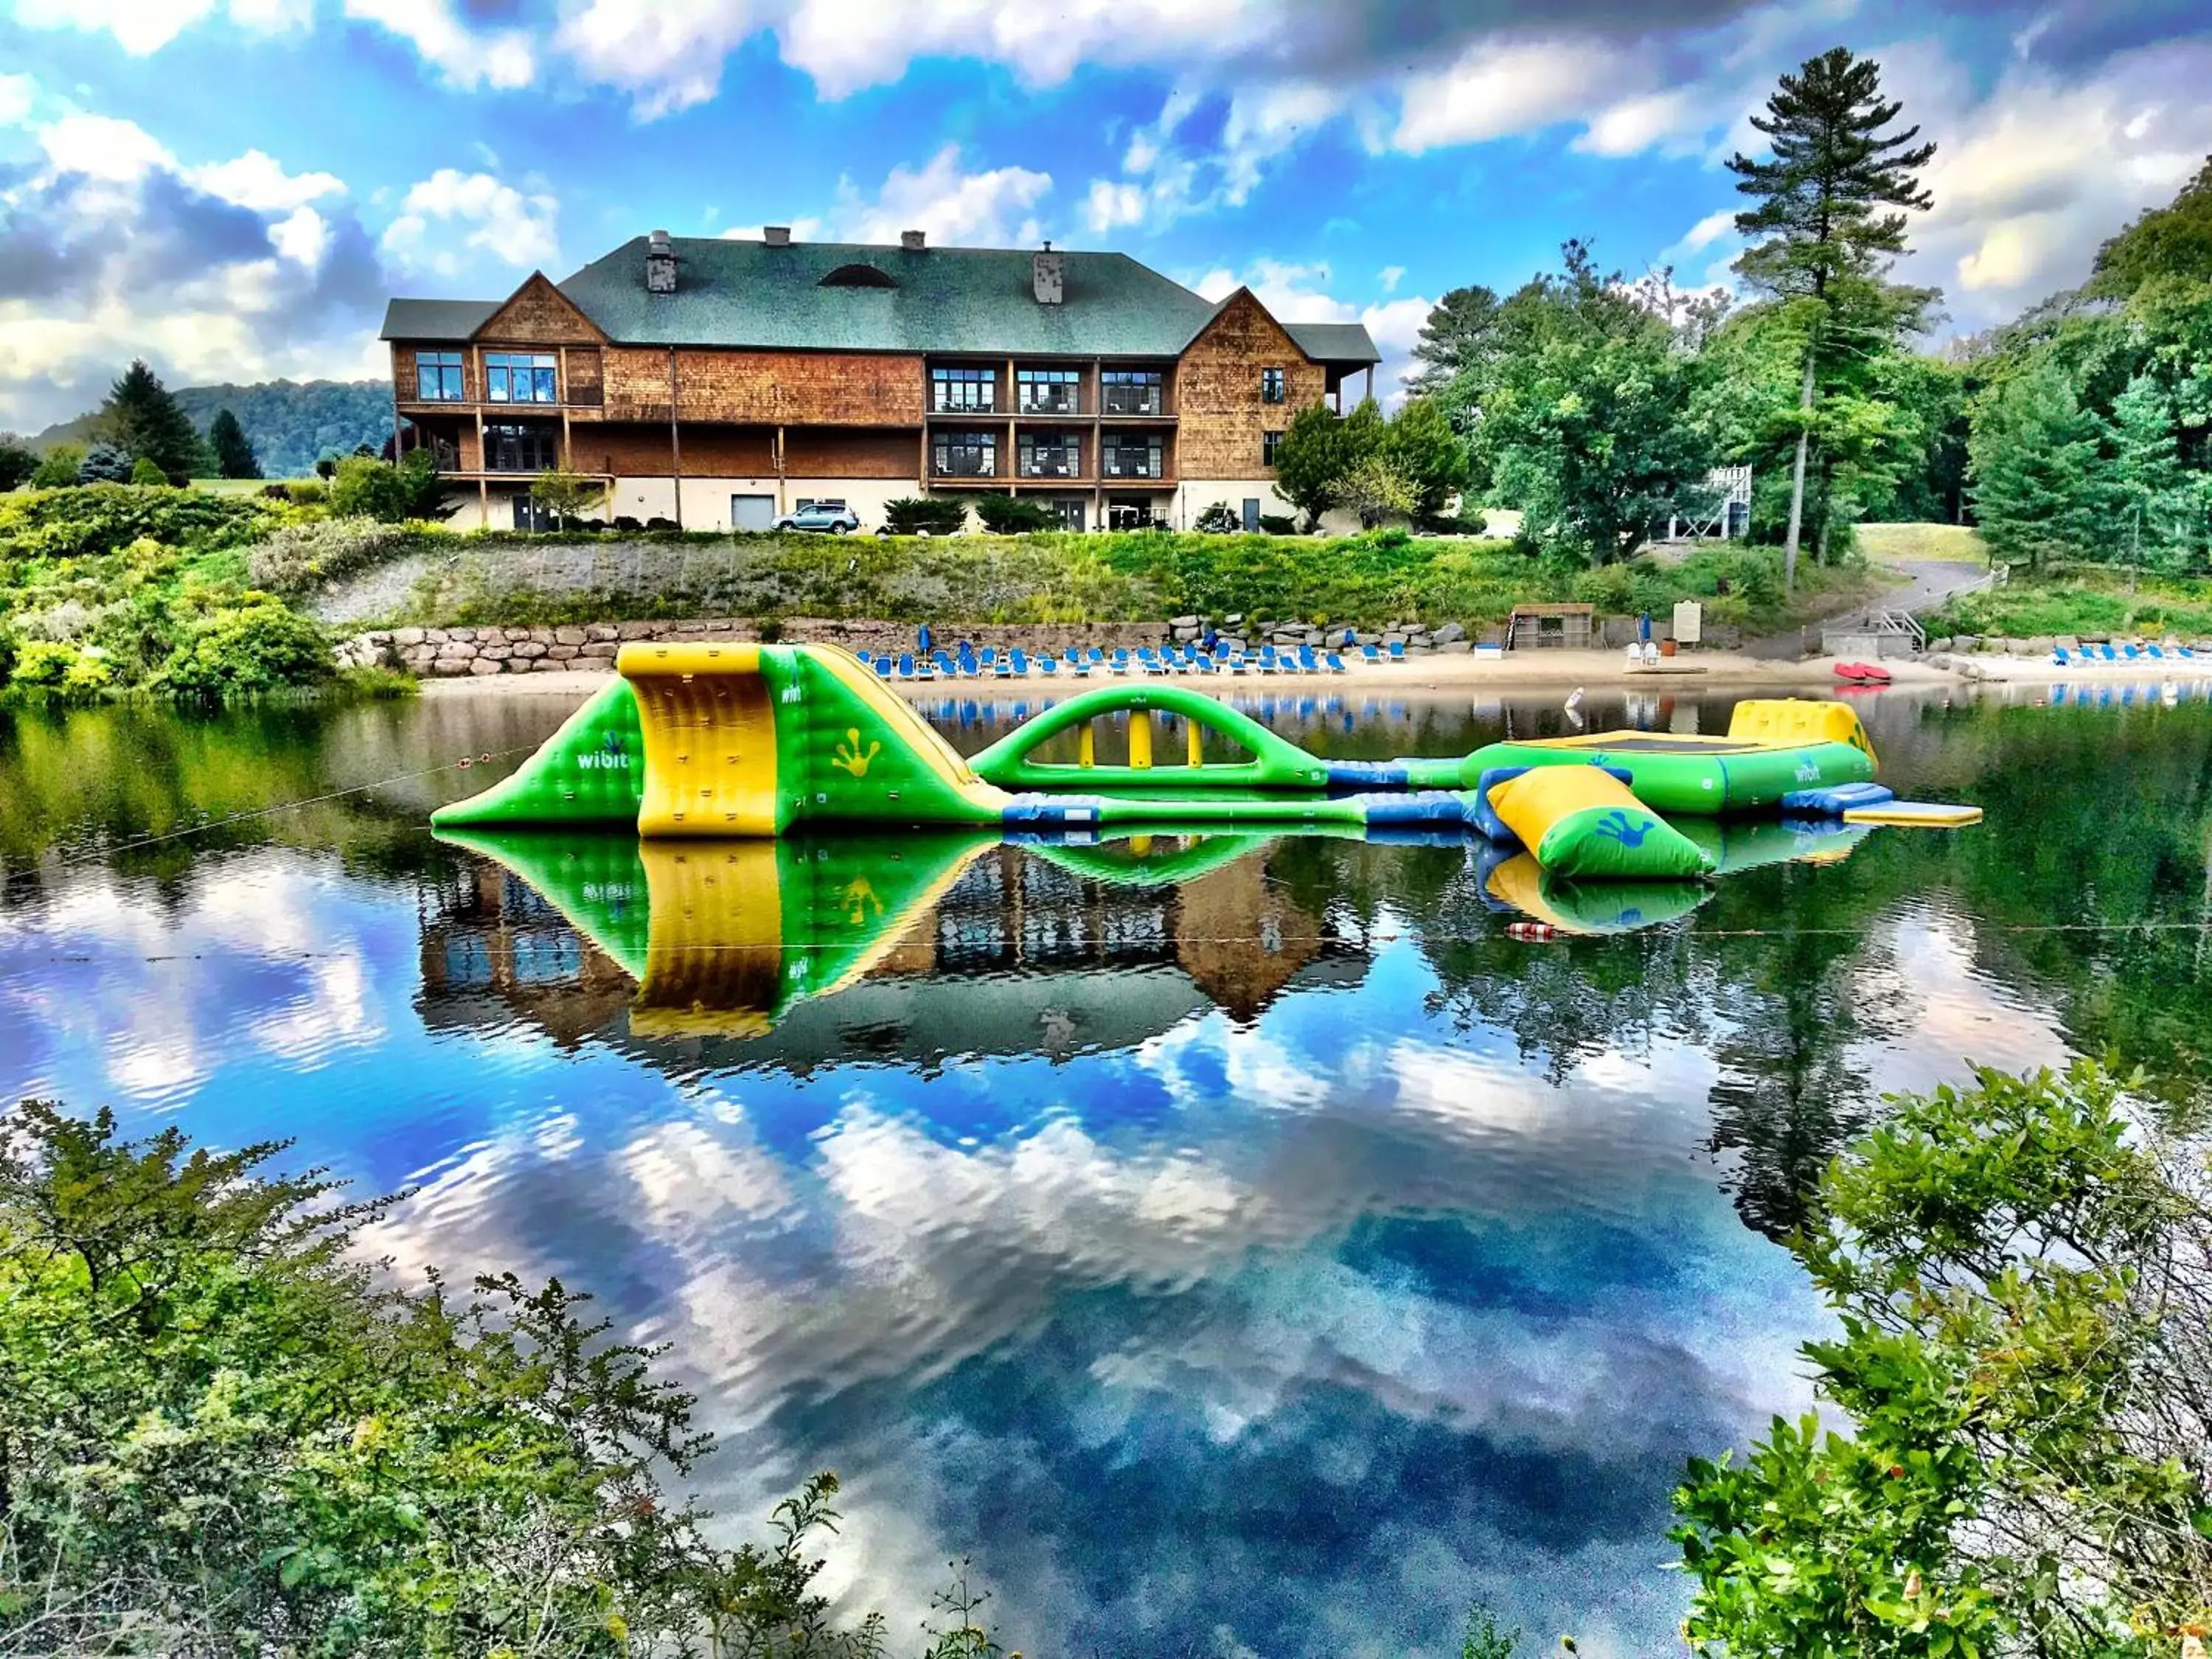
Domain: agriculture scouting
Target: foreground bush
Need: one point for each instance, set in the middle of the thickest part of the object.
(95, 518)
(222, 1434)
(253, 646)
(2022, 1274)
(301, 557)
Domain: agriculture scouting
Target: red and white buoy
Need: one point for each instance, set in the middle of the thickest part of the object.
(1531, 933)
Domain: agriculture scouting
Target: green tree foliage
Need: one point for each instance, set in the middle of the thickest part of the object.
(568, 496)
(222, 1432)
(2039, 489)
(1462, 336)
(288, 423)
(2019, 1273)
(1315, 452)
(363, 487)
(1832, 196)
(234, 451)
(1589, 427)
(18, 461)
(1376, 491)
(141, 418)
(2155, 502)
(105, 463)
(1422, 448)
(2171, 241)
(1010, 515)
(242, 650)
(144, 473)
(58, 467)
(935, 515)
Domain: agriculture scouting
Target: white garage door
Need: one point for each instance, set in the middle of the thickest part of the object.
(752, 512)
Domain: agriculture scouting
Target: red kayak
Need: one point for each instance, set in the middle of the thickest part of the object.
(1861, 673)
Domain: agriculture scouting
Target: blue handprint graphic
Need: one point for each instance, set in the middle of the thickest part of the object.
(1617, 825)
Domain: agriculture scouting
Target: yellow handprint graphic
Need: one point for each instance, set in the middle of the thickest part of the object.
(857, 897)
(848, 757)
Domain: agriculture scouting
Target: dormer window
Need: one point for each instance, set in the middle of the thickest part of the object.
(858, 275)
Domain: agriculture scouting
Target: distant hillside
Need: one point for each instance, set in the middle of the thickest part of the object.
(290, 423)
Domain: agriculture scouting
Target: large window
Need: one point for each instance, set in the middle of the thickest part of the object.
(521, 377)
(1050, 455)
(1131, 391)
(965, 455)
(1271, 385)
(963, 388)
(1049, 391)
(515, 446)
(1269, 443)
(438, 377)
(1126, 455)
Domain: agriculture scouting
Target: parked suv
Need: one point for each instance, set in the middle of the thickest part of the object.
(833, 516)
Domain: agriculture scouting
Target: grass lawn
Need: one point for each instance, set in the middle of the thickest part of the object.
(1934, 544)
(235, 486)
(2094, 603)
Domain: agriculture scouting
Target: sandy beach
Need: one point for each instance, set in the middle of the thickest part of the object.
(1535, 670)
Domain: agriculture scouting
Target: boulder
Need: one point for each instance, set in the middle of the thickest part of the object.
(483, 665)
(1967, 643)
(529, 650)
(547, 667)
(599, 650)
(1455, 647)
(1450, 633)
(2040, 646)
(406, 636)
(377, 637)
(1191, 623)
(569, 636)
(516, 635)
(434, 636)
(447, 668)
(456, 651)
(2066, 642)
(466, 635)
(562, 653)
(494, 653)
(636, 630)
(602, 633)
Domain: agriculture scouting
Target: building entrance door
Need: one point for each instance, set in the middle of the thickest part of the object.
(752, 512)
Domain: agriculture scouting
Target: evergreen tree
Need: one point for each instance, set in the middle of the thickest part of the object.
(2174, 240)
(1311, 460)
(18, 461)
(104, 463)
(1821, 238)
(1463, 333)
(233, 454)
(143, 420)
(57, 470)
(2039, 489)
(2150, 492)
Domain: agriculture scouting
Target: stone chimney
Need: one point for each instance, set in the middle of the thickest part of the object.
(1048, 276)
(911, 241)
(659, 264)
(776, 235)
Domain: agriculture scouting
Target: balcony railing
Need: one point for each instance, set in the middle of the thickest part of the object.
(1050, 469)
(1132, 466)
(1050, 400)
(1132, 400)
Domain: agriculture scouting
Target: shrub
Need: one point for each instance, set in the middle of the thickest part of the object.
(62, 671)
(58, 469)
(936, 515)
(106, 463)
(369, 489)
(302, 492)
(1011, 515)
(8, 650)
(144, 472)
(301, 556)
(18, 461)
(1219, 519)
(256, 646)
(97, 518)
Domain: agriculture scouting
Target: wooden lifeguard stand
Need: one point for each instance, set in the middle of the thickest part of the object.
(1558, 627)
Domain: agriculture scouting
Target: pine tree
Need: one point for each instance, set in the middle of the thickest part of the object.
(141, 418)
(1420, 445)
(2040, 490)
(1461, 334)
(1826, 239)
(233, 454)
(2149, 489)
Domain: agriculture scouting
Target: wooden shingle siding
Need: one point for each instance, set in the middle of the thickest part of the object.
(790, 388)
(1218, 391)
(539, 314)
(629, 450)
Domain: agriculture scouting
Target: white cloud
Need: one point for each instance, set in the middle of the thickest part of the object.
(990, 207)
(102, 146)
(667, 56)
(1389, 277)
(498, 58)
(453, 212)
(1708, 230)
(1637, 123)
(1299, 294)
(141, 27)
(1111, 205)
(17, 94)
(256, 180)
(1497, 88)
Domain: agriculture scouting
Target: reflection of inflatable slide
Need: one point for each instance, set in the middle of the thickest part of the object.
(711, 742)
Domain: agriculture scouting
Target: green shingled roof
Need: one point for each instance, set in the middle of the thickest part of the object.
(946, 300)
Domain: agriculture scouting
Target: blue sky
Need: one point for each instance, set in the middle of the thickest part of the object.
(231, 187)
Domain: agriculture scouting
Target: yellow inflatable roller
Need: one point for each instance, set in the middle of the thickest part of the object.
(1581, 823)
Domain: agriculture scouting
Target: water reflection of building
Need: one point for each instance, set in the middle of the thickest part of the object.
(1010, 953)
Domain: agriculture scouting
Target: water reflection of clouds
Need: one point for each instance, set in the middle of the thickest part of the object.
(1292, 1333)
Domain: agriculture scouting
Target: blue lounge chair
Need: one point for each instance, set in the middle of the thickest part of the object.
(2106, 651)
(2061, 656)
(2154, 652)
(1335, 663)
(1397, 651)
(1308, 663)
(882, 667)
(2185, 653)
(1119, 662)
(1368, 654)
(1049, 665)
(906, 665)
(1017, 660)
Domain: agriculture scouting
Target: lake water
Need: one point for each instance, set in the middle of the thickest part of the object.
(1235, 1247)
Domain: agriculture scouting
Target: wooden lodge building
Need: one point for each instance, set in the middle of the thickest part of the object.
(720, 384)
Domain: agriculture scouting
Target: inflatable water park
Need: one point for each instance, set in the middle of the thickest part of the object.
(761, 742)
